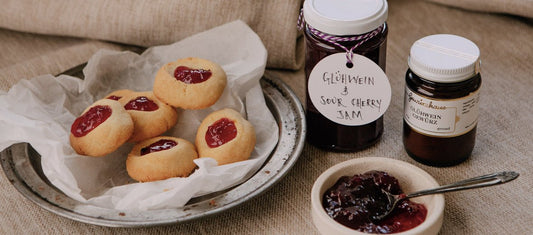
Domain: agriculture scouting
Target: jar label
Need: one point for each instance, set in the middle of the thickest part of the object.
(441, 118)
(349, 96)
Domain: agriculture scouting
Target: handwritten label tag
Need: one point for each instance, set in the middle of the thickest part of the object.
(349, 96)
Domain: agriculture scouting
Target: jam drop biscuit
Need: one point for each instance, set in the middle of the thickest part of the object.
(225, 136)
(119, 95)
(101, 129)
(151, 117)
(190, 83)
(161, 158)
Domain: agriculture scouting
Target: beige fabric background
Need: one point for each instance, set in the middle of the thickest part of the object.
(504, 140)
(148, 23)
(514, 7)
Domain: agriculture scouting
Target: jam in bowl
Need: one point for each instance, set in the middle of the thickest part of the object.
(346, 196)
(354, 200)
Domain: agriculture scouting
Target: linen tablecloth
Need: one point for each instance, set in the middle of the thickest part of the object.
(503, 31)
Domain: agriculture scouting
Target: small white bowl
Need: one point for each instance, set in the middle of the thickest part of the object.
(410, 177)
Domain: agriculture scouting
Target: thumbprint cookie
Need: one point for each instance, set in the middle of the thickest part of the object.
(190, 83)
(101, 129)
(151, 117)
(225, 136)
(161, 158)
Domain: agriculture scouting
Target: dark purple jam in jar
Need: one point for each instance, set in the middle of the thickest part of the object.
(322, 131)
(353, 200)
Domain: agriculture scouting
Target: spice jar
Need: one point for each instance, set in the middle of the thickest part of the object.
(347, 89)
(441, 100)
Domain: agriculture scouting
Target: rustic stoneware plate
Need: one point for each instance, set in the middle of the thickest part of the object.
(22, 166)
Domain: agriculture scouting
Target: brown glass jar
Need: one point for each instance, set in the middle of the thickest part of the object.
(323, 132)
(441, 100)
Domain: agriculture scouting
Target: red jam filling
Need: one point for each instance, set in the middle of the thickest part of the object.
(90, 120)
(353, 200)
(191, 76)
(114, 97)
(141, 103)
(160, 145)
(220, 132)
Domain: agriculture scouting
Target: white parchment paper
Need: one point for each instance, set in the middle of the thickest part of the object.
(41, 110)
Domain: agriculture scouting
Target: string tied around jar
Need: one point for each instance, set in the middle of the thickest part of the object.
(335, 40)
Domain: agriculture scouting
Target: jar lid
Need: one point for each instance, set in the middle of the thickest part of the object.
(444, 58)
(341, 17)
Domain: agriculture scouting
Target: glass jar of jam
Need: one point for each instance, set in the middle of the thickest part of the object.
(441, 100)
(341, 27)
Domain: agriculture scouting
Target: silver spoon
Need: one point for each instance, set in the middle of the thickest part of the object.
(476, 182)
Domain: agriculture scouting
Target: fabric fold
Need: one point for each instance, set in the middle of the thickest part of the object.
(150, 23)
(113, 24)
(523, 8)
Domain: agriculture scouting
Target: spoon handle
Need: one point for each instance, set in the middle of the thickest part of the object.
(476, 182)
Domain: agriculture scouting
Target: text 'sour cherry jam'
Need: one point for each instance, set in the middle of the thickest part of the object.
(89, 120)
(141, 103)
(340, 115)
(191, 76)
(220, 132)
(160, 145)
(353, 200)
(441, 103)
